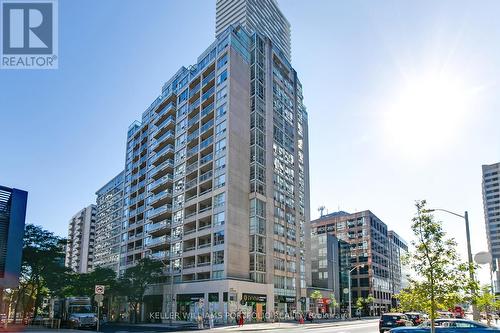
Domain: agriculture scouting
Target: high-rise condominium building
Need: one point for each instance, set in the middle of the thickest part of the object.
(369, 253)
(81, 235)
(216, 183)
(398, 273)
(263, 16)
(491, 204)
(108, 223)
(12, 216)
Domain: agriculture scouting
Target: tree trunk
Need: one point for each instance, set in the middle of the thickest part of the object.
(20, 291)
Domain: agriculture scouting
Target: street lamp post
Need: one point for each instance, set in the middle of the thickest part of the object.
(475, 313)
(349, 287)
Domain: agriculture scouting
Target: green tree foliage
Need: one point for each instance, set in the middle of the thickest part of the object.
(316, 296)
(84, 284)
(487, 303)
(135, 281)
(441, 279)
(42, 272)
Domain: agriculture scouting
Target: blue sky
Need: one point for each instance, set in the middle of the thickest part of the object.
(402, 99)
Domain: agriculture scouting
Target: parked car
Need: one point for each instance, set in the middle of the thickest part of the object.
(391, 320)
(415, 317)
(448, 325)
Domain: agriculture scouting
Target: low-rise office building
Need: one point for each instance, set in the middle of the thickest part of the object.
(370, 255)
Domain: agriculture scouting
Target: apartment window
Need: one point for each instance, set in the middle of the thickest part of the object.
(219, 237)
(222, 61)
(183, 96)
(218, 257)
(181, 139)
(220, 181)
(220, 128)
(217, 275)
(221, 111)
(222, 94)
(220, 199)
(219, 219)
(220, 146)
(220, 163)
(222, 77)
(279, 264)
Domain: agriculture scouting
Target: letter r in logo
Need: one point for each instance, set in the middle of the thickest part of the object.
(27, 27)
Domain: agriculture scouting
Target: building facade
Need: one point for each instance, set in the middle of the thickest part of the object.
(216, 183)
(398, 271)
(263, 16)
(108, 223)
(329, 262)
(368, 238)
(12, 220)
(80, 243)
(491, 204)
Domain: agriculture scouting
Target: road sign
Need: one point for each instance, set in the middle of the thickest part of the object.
(99, 289)
(99, 298)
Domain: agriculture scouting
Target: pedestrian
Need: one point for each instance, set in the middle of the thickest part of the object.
(301, 319)
(241, 320)
(200, 321)
(211, 320)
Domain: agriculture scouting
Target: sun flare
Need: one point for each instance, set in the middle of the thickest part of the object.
(426, 113)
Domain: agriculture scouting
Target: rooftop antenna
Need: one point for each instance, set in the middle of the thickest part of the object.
(321, 209)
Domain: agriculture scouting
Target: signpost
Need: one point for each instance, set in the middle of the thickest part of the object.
(98, 297)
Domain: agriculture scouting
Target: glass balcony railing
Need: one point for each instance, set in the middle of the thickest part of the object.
(159, 196)
(191, 183)
(155, 241)
(206, 110)
(193, 120)
(195, 104)
(162, 151)
(192, 151)
(161, 138)
(167, 108)
(159, 181)
(206, 126)
(192, 167)
(167, 163)
(205, 143)
(163, 124)
(207, 94)
(158, 225)
(193, 135)
(155, 212)
(160, 255)
(194, 90)
(206, 158)
(205, 176)
(208, 78)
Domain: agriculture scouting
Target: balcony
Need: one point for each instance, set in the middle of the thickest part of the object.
(205, 143)
(169, 108)
(208, 78)
(205, 176)
(191, 167)
(168, 164)
(160, 183)
(154, 227)
(154, 199)
(154, 213)
(193, 120)
(192, 151)
(168, 124)
(206, 159)
(207, 109)
(160, 255)
(157, 157)
(157, 241)
(206, 95)
(169, 134)
(190, 184)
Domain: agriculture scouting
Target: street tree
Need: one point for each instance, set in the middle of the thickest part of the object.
(316, 296)
(441, 277)
(43, 271)
(135, 281)
(333, 303)
(486, 302)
